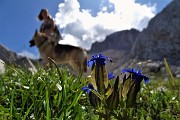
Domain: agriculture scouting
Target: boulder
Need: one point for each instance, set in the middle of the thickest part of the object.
(2, 66)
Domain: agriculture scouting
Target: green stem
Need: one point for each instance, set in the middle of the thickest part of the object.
(106, 111)
(107, 117)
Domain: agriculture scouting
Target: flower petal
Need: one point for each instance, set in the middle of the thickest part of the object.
(146, 79)
(99, 59)
(90, 63)
(139, 71)
(90, 86)
(126, 70)
(110, 75)
(86, 89)
(137, 75)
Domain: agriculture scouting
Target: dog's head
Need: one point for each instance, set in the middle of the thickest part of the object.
(38, 38)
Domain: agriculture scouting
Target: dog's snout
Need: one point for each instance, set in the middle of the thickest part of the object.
(32, 43)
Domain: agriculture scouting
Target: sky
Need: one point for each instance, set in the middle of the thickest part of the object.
(81, 22)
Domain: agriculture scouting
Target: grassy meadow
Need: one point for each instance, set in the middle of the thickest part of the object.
(56, 94)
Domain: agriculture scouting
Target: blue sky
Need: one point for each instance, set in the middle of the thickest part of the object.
(82, 22)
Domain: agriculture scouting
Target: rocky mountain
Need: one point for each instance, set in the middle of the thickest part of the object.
(7, 55)
(11, 58)
(161, 39)
(121, 40)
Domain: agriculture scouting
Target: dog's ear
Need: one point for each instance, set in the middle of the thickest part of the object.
(36, 32)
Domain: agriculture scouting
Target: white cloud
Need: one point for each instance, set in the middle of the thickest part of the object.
(82, 29)
(27, 54)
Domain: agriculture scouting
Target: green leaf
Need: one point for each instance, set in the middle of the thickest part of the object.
(133, 91)
(113, 99)
(76, 98)
(126, 86)
(109, 92)
(105, 75)
(93, 79)
(4, 109)
(94, 99)
(101, 78)
(48, 112)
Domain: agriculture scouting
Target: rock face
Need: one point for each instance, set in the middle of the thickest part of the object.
(122, 40)
(161, 39)
(26, 63)
(6, 55)
(9, 57)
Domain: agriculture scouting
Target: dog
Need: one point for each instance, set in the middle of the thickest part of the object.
(61, 54)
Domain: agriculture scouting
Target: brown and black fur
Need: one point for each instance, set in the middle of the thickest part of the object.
(75, 56)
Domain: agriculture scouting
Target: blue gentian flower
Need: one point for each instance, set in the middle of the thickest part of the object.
(110, 75)
(137, 75)
(88, 89)
(99, 59)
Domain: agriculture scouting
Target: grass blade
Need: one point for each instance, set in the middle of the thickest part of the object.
(47, 106)
(171, 81)
(11, 105)
(24, 118)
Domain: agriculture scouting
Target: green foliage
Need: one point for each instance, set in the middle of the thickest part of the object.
(105, 96)
(43, 95)
(56, 95)
(117, 100)
(171, 78)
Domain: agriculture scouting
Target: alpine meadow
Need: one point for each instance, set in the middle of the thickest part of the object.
(56, 94)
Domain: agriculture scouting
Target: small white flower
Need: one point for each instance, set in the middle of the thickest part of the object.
(161, 88)
(19, 84)
(59, 86)
(151, 91)
(39, 78)
(8, 99)
(18, 108)
(140, 98)
(83, 107)
(32, 116)
(173, 98)
(89, 76)
(14, 74)
(26, 87)
(142, 89)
